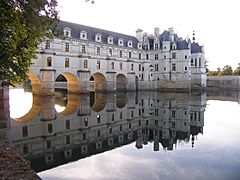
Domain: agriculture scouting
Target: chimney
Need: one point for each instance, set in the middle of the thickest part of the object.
(156, 31)
(139, 35)
(171, 34)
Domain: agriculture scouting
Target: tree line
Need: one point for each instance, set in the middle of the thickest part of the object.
(225, 71)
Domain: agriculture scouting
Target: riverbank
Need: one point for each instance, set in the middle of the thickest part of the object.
(12, 165)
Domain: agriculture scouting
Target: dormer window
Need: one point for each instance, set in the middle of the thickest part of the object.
(67, 32)
(174, 46)
(130, 43)
(98, 37)
(110, 40)
(83, 35)
(139, 46)
(120, 42)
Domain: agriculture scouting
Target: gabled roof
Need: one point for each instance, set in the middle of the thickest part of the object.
(196, 48)
(91, 32)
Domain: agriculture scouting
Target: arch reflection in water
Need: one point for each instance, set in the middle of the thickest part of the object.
(112, 120)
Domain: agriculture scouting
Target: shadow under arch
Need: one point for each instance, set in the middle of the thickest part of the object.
(73, 101)
(73, 84)
(33, 112)
(100, 82)
(121, 82)
(121, 99)
(99, 102)
(36, 83)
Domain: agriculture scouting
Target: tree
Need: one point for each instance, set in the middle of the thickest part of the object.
(23, 25)
(237, 70)
(227, 71)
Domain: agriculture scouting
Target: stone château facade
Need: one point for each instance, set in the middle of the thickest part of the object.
(92, 59)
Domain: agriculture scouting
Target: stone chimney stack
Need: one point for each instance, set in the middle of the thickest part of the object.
(156, 31)
(139, 35)
(171, 34)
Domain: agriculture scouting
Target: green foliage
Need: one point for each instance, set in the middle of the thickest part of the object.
(226, 71)
(24, 24)
(237, 70)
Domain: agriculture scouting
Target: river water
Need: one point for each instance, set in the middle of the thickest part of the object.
(144, 135)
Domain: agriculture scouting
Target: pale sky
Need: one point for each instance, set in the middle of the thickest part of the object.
(216, 22)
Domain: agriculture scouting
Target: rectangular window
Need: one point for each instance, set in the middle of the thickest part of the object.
(98, 133)
(121, 115)
(139, 56)
(192, 62)
(129, 55)
(110, 52)
(173, 114)
(147, 56)
(49, 61)
(83, 49)
(156, 56)
(139, 67)
(98, 50)
(195, 62)
(173, 67)
(49, 144)
(156, 67)
(200, 64)
(84, 136)
(98, 65)
(66, 47)
(110, 130)
(156, 46)
(120, 66)
(24, 131)
(68, 140)
(185, 68)
(120, 53)
(25, 149)
(66, 62)
(173, 55)
(50, 128)
(164, 57)
(47, 44)
(185, 56)
(67, 124)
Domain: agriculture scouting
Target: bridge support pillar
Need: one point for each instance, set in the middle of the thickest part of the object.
(47, 79)
(4, 108)
(48, 111)
(131, 81)
(84, 81)
(111, 81)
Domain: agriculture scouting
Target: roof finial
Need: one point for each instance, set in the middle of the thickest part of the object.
(193, 36)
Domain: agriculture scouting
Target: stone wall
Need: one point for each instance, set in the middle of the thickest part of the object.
(224, 82)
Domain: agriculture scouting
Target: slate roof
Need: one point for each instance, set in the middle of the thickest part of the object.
(181, 44)
(196, 48)
(91, 32)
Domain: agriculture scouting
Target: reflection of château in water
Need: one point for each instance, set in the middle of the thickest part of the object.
(91, 124)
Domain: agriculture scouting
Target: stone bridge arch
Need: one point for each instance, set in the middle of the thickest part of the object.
(73, 84)
(73, 101)
(98, 101)
(121, 82)
(35, 82)
(33, 112)
(98, 82)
